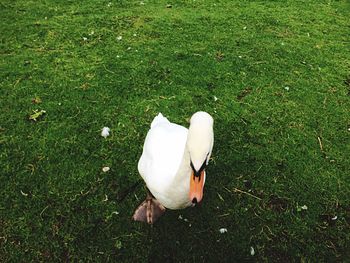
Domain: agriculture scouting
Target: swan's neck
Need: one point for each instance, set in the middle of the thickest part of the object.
(177, 192)
(179, 188)
(184, 171)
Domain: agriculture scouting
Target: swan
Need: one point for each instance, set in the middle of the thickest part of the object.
(173, 164)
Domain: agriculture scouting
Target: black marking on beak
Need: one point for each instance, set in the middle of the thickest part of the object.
(194, 201)
(199, 172)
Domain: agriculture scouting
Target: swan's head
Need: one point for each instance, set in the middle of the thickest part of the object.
(200, 142)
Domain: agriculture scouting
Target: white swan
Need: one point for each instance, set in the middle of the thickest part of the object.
(173, 164)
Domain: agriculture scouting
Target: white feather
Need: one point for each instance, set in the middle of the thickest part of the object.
(105, 132)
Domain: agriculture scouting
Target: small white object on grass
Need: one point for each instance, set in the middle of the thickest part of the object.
(105, 132)
(215, 98)
(334, 218)
(304, 207)
(252, 251)
(106, 169)
(286, 88)
(85, 38)
(119, 38)
(223, 230)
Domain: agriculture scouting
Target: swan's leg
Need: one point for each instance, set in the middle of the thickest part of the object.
(149, 210)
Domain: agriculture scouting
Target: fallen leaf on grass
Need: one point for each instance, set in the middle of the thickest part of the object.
(36, 100)
(301, 208)
(36, 115)
(118, 244)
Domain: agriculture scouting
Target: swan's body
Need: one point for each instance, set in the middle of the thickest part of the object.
(173, 155)
(160, 163)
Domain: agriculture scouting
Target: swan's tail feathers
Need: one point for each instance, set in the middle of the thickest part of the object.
(159, 119)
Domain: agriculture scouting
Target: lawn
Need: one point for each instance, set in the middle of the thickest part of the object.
(275, 75)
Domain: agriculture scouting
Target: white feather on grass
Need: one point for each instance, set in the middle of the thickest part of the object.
(105, 132)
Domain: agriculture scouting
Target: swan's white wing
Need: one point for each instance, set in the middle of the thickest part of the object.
(162, 153)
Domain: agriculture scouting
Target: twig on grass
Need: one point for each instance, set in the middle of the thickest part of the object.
(42, 211)
(320, 143)
(108, 70)
(221, 198)
(242, 192)
(122, 195)
(224, 215)
(16, 82)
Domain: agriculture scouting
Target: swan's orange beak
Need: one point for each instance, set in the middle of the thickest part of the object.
(196, 187)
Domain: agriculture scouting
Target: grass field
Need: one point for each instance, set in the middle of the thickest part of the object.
(275, 75)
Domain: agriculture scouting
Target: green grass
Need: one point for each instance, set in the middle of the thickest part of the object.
(280, 73)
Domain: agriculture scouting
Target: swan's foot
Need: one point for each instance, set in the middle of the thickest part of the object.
(149, 210)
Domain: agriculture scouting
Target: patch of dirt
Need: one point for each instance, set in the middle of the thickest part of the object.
(277, 204)
(329, 219)
(219, 56)
(245, 92)
(276, 255)
(347, 82)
